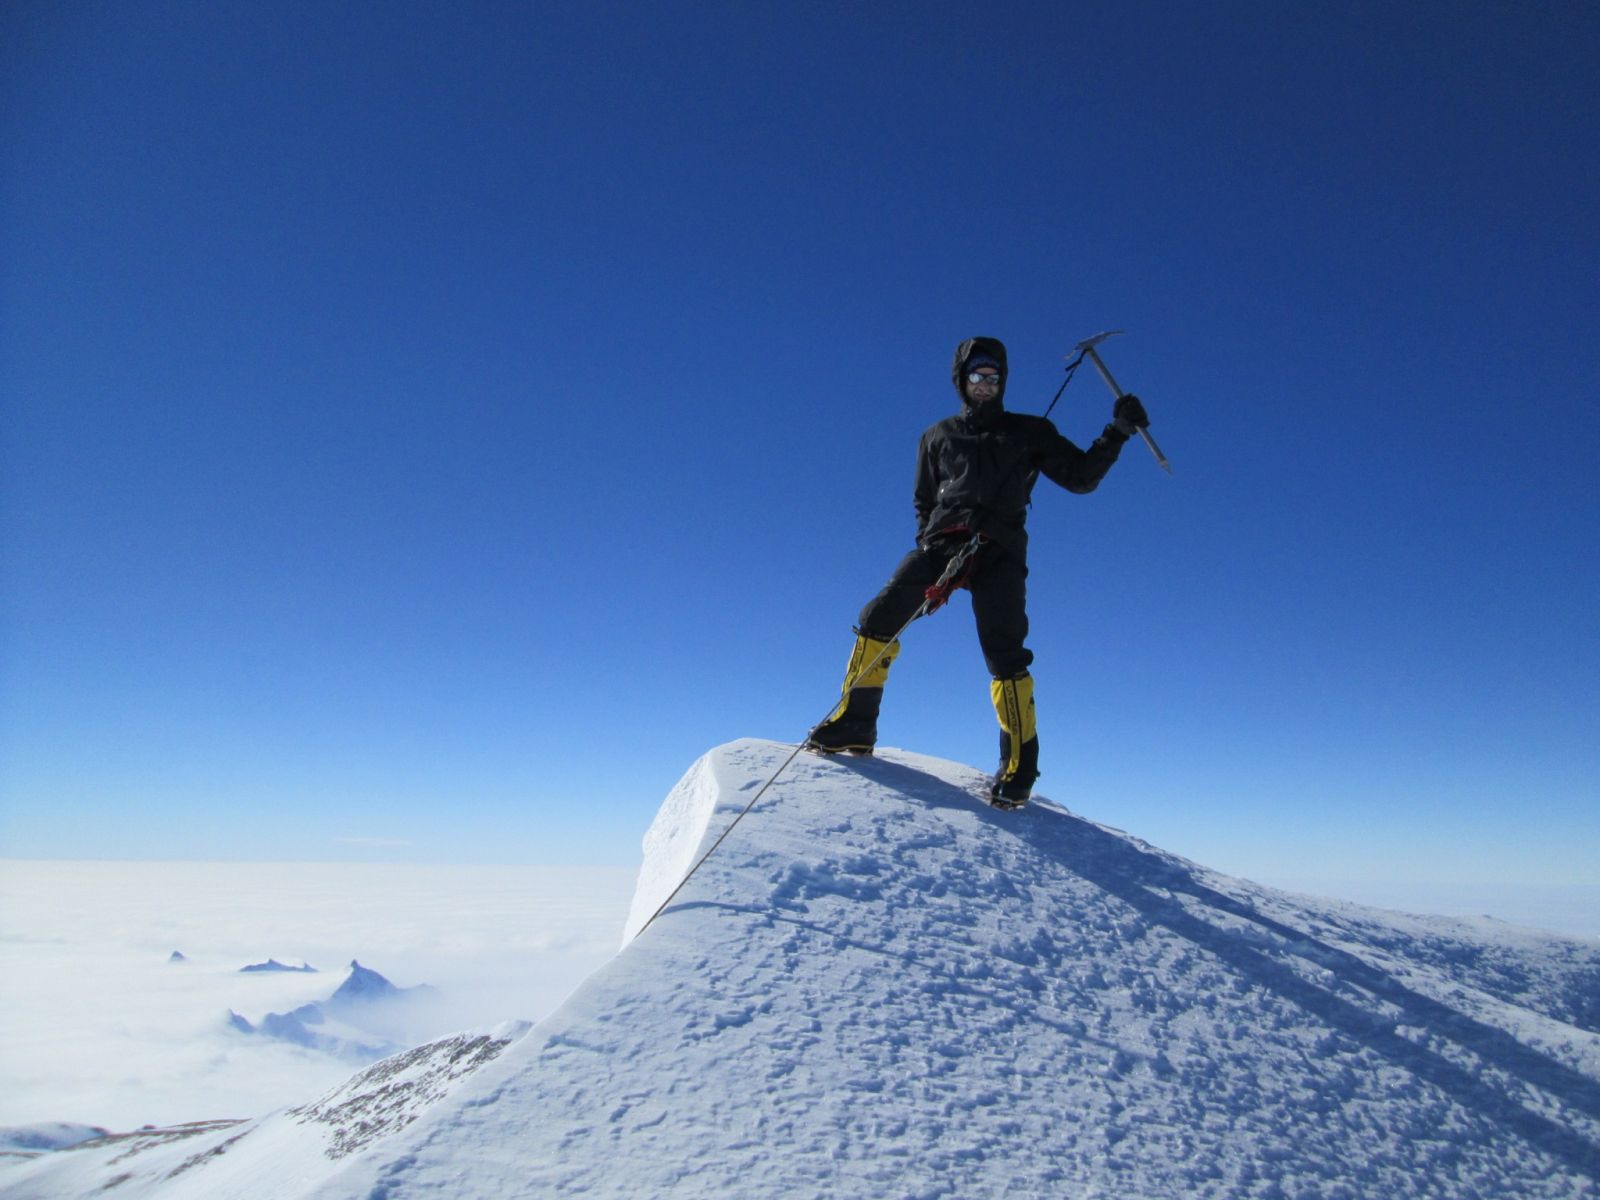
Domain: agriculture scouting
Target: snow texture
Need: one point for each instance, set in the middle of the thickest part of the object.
(880, 987)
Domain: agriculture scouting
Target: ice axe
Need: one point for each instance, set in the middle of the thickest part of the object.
(1086, 348)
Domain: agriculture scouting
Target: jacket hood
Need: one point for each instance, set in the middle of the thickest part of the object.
(975, 347)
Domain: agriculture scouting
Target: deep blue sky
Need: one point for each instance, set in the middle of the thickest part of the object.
(428, 427)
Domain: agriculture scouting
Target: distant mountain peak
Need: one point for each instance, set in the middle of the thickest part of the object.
(363, 984)
(366, 1018)
(27, 1140)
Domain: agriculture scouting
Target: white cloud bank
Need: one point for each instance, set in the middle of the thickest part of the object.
(96, 1026)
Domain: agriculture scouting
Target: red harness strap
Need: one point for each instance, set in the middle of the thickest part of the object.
(956, 574)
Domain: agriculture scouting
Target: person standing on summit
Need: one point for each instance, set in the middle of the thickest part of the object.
(975, 474)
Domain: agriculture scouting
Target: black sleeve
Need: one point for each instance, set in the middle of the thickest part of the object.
(927, 491)
(1076, 470)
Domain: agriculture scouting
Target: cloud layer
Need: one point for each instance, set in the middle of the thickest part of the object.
(96, 1025)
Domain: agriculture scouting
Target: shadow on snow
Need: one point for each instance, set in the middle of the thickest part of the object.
(1138, 877)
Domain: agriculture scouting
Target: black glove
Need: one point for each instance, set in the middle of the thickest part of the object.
(1128, 415)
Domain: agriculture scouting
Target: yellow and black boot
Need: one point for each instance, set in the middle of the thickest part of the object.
(1019, 741)
(853, 726)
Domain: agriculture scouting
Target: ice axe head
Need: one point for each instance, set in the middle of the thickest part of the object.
(1086, 349)
(1090, 343)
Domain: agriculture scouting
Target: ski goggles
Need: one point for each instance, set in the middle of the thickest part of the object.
(981, 377)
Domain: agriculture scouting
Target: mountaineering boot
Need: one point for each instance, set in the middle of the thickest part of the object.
(1019, 741)
(853, 726)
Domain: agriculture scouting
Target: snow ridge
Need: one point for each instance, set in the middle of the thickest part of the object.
(673, 843)
(880, 987)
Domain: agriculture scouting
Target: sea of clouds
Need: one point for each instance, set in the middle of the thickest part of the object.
(97, 1025)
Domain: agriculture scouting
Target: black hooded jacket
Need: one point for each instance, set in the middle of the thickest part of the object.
(976, 470)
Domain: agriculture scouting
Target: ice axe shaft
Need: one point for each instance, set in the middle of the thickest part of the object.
(1117, 393)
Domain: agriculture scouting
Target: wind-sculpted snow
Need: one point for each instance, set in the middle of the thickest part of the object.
(676, 837)
(879, 987)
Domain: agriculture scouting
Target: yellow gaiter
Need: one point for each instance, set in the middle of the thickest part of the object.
(868, 668)
(1013, 705)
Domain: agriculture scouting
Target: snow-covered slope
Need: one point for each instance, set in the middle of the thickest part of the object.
(879, 987)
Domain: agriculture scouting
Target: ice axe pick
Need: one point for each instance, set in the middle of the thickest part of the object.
(1087, 348)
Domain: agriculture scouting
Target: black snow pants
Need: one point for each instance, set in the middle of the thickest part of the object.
(998, 584)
